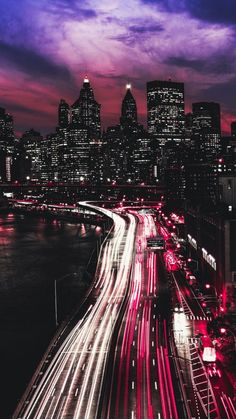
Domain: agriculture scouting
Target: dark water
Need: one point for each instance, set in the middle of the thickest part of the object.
(35, 252)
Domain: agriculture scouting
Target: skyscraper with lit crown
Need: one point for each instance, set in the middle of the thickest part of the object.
(85, 112)
(128, 109)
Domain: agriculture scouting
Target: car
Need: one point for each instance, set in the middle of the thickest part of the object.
(213, 371)
(178, 308)
(192, 280)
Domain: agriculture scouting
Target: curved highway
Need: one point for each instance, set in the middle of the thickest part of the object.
(70, 386)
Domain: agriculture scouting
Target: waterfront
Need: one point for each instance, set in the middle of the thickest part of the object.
(34, 252)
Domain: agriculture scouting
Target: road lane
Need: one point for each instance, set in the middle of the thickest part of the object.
(142, 383)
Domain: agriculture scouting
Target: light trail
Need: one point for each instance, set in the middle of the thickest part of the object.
(166, 386)
(134, 339)
(77, 367)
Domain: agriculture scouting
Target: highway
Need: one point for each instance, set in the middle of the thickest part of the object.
(141, 385)
(128, 354)
(70, 385)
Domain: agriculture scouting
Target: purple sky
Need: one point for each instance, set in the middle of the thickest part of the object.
(47, 46)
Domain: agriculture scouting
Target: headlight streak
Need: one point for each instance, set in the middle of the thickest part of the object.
(78, 364)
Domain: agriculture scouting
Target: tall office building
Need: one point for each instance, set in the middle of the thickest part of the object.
(79, 154)
(165, 108)
(63, 114)
(142, 158)
(206, 117)
(32, 143)
(206, 129)
(128, 109)
(115, 166)
(85, 112)
(7, 142)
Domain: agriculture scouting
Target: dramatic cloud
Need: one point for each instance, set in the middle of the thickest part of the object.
(47, 46)
(146, 28)
(222, 64)
(217, 11)
(30, 62)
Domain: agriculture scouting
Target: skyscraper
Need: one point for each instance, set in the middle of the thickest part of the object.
(32, 142)
(63, 114)
(128, 109)
(206, 117)
(6, 145)
(165, 107)
(79, 154)
(85, 112)
(206, 128)
(142, 158)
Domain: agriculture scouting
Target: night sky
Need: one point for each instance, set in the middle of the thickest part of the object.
(47, 47)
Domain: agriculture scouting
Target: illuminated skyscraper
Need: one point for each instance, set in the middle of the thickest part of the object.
(85, 112)
(128, 109)
(206, 128)
(79, 154)
(165, 107)
(6, 145)
(32, 142)
(63, 114)
(206, 117)
(142, 158)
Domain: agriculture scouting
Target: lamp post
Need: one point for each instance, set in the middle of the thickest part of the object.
(208, 287)
(55, 294)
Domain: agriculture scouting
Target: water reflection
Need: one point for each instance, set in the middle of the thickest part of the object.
(33, 253)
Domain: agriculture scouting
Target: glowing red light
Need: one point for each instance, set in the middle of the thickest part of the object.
(207, 286)
(222, 330)
(189, 259)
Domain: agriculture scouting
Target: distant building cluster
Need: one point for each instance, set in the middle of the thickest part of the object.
(185, 151)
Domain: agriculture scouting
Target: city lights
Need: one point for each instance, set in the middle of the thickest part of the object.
(118, 209)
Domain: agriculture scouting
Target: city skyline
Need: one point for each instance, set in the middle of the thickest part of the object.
(48, 47)
(128, 88)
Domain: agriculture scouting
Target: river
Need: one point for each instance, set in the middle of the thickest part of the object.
(34, 253)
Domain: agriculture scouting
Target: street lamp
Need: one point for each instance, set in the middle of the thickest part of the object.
(55, 294)
(208, 287)
(189, 260)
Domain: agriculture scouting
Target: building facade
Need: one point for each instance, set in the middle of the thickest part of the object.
(206, 130)
(165, 110)
(211, 237)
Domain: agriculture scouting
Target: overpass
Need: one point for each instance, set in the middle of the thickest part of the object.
(86, 191)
